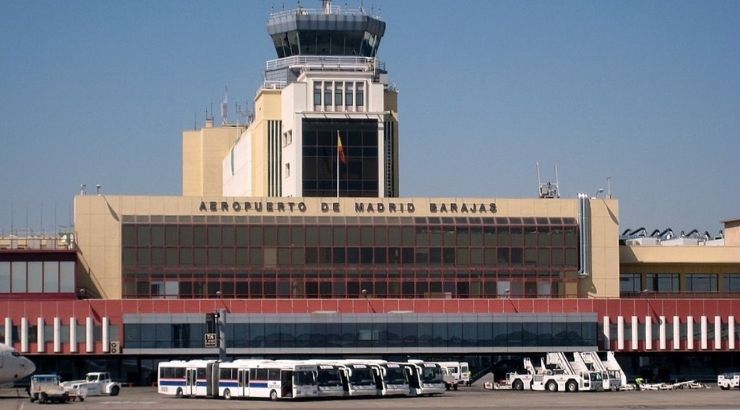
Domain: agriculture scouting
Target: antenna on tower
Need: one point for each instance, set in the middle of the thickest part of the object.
(548, 190)
(225, 107)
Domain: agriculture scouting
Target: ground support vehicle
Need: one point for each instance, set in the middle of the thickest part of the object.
(46, 388)
(729, 381)
(454, 374)
(96, 383)
(557, 375)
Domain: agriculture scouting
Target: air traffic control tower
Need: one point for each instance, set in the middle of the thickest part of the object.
(325, 119)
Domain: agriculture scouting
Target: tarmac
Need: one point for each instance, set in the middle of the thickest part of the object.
(467, 398)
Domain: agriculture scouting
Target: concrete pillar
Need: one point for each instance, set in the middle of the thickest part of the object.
(607, 336)
(661, 330)
(690, 332)
(717, 333)
(731, 332)
(24, 335)
(648, 333)
(620, 332)
(8, 331)
(635, 333)
(89, 335)
(40, 342)
(72, 335)
(57, 335)
(703, 325)
(106, 338)
(676, 333)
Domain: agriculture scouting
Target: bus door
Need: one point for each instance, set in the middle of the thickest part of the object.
(190, 377)
(286, 383)
(413, 373)
(345, 380)
(378, 377)
(212, 379)
(243, 377)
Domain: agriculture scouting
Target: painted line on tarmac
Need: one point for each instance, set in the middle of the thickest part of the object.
(128, 402)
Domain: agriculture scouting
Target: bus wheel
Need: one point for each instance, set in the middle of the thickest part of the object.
(571, 386)
(518, 385)
(178, 393)
(227, 394)
(273, 395)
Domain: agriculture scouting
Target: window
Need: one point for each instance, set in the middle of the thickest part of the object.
(338, 94)
(348, 95)
(360, 99)
(317, 94)
(630, 283)
(327, 94)
(662, 282)
(701, 282)
(730, 282)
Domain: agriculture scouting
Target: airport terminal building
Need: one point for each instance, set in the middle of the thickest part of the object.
(292, 230)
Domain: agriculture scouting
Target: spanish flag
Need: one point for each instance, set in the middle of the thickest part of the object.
(340, 149)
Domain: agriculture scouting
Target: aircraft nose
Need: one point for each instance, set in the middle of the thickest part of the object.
(27, 367)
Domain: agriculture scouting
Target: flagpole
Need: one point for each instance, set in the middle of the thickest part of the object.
(337, 164)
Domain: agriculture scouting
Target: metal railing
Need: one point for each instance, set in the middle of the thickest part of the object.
(333, 10)
(326, 63)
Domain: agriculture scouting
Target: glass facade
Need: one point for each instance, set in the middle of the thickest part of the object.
(41, 276)
(388, 331)
(326, 43)
(358, 170)
(348, 257)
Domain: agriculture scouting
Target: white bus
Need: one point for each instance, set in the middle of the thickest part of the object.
(358, 379)
(329, 380)
(233, 380)
(184, 378)
(282, 380)
(394, 379)
(424, 378)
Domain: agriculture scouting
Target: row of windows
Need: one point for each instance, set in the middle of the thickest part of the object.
(635, 283)
(297, 235)
(540, 284)
(37, 277)
(353, 335)
(342, 220)
(345, 97)
(286, 257)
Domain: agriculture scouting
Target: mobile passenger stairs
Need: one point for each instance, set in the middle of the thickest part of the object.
(557, 372)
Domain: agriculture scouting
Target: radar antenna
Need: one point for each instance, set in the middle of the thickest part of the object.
(548, 190)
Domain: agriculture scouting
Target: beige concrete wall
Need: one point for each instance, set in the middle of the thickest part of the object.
(267, 106)
(732, 232)
(604, 279)
(203, 152)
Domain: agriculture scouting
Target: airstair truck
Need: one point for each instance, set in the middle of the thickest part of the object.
(614, 378)
(556, 373)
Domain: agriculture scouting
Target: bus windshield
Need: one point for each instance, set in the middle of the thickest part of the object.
(395, 375)
(303, 378)
(431, 375)
(329, 377)
(361, 376)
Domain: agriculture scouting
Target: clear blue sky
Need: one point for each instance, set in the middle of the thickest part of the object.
(645, 92)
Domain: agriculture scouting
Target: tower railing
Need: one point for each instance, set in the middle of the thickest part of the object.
(326, 63)
(335, 10)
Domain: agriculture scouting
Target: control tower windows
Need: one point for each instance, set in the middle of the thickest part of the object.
(327, 94)
(348, 97)
(338, 94)
(317, 95)
(360, 100)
